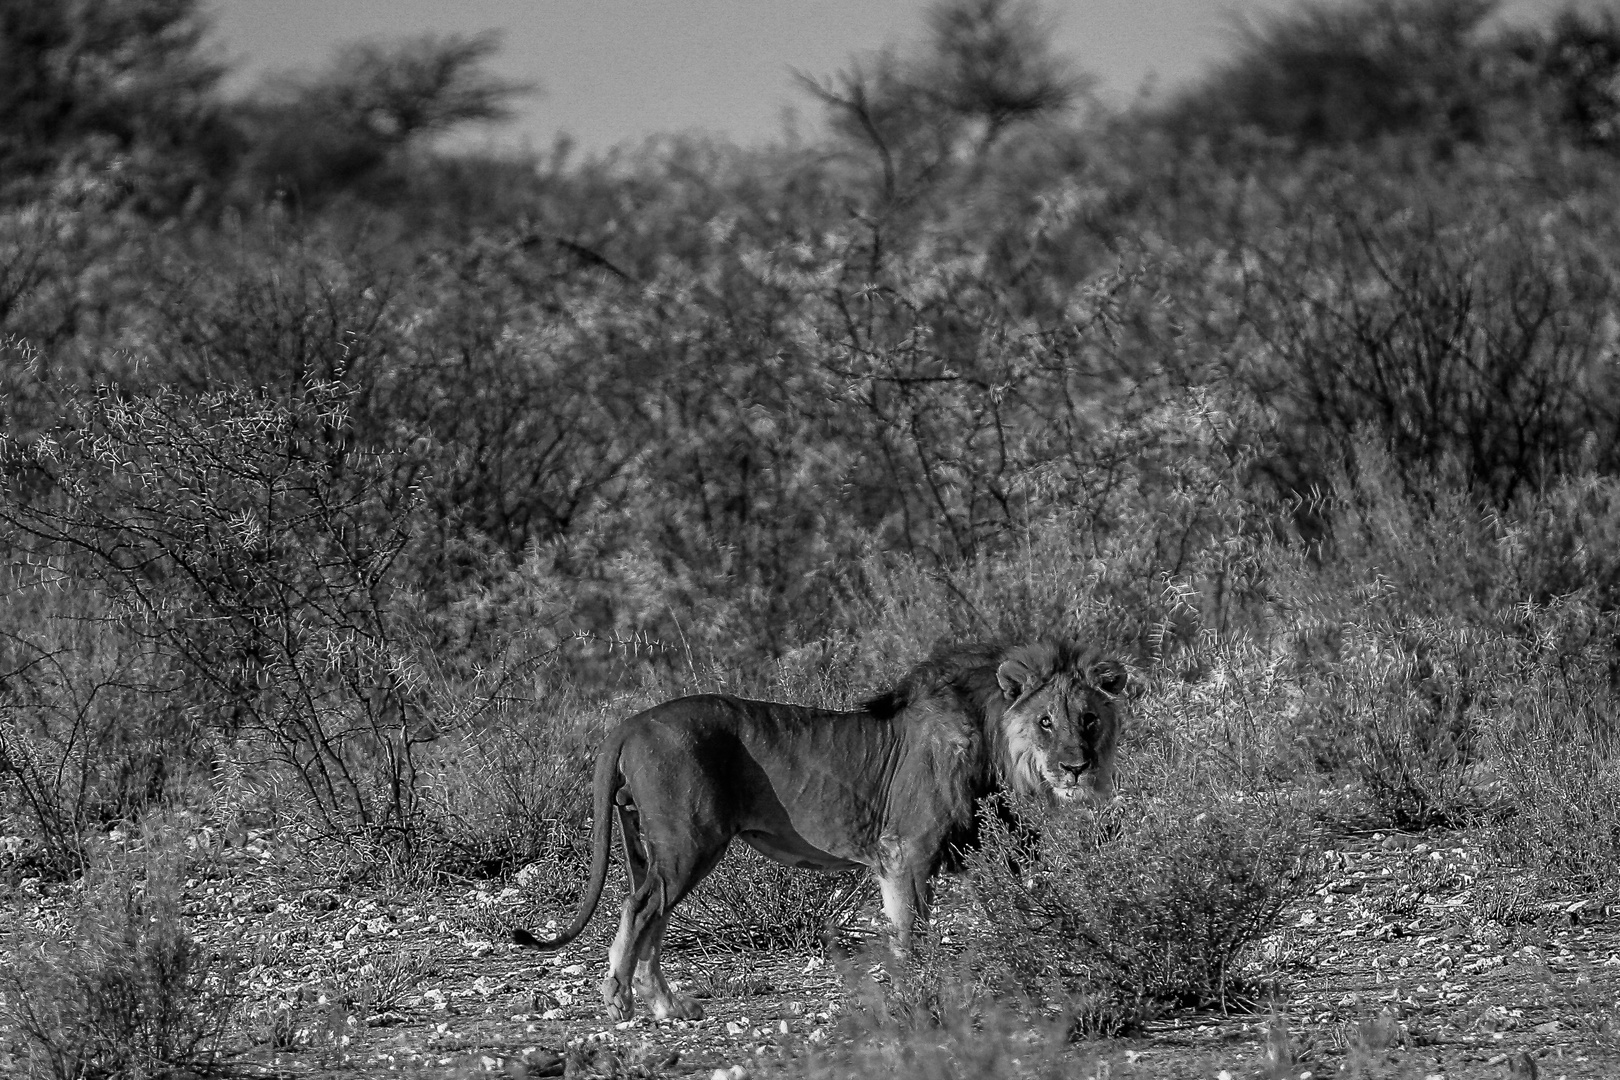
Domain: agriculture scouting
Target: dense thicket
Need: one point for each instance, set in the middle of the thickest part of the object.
(322, 440)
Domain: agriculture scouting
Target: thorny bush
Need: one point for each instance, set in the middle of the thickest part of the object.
(1154, 903)
(124, 992)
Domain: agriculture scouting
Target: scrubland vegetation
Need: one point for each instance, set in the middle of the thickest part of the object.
(350, 488)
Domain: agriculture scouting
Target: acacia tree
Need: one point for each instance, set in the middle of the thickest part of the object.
(356, 124)
(114, 80)
(252, 548)
(1327, 73)
(990, 62)
(988, 67)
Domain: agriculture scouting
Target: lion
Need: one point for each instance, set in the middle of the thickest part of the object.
(895, 786)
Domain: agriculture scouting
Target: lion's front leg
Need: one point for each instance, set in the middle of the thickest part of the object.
(907, 897)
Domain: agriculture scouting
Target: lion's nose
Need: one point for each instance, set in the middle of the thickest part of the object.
(1075, 769)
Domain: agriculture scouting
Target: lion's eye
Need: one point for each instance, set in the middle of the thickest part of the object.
(1046, 723)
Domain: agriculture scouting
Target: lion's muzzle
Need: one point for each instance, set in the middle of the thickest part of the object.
(1087, 788)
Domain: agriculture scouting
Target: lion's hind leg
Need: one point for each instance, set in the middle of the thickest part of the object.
(658, 882)
(651, 985)
(666, 882)
(621, 963)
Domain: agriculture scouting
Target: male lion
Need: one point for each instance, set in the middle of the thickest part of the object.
(893, 786)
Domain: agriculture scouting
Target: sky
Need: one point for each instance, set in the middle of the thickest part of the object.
(613, 71)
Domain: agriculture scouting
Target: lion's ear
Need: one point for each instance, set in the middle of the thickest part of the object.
(1013, 677)
(1109, 676)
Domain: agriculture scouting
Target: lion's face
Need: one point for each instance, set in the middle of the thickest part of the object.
(1060, 736)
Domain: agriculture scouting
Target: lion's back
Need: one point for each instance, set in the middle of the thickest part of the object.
(706, 724)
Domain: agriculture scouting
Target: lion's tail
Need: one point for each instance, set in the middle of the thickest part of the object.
(606, 784)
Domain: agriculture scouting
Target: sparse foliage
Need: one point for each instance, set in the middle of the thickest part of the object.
(126, 991)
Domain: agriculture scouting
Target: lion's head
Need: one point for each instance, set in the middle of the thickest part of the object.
(1046, 712)
(1055, 736)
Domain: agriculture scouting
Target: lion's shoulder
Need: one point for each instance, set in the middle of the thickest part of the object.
(958, 670)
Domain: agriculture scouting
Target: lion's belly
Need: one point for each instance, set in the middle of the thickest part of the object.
(808, 814)
(794, 850)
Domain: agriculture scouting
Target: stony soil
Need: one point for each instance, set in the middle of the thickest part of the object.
(1405, 964)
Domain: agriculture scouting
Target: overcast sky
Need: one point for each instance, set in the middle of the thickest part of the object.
(618, 70)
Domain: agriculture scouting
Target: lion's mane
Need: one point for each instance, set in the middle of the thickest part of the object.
(958, 684)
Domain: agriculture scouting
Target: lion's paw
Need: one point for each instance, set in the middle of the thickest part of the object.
(617, 996)
(679, 1008)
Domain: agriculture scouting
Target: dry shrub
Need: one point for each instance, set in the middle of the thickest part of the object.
(752, 902)
(933, 1021)
(125, 991)
(1551, 787)
(253, 547)
(1404, 713)
(95, 725)
(515, 792)
(1150, 904)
